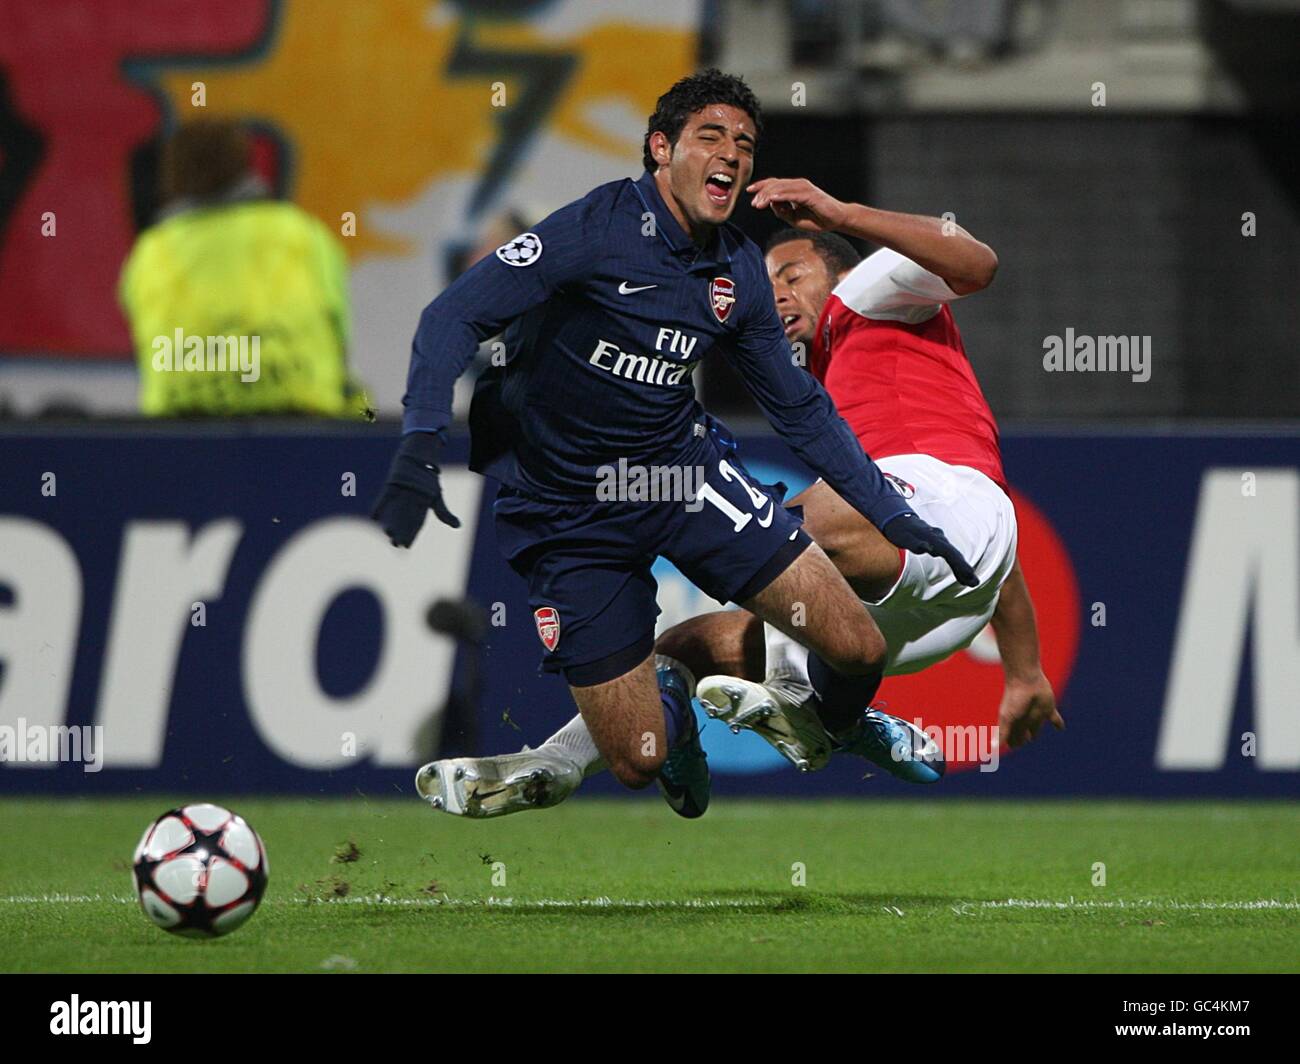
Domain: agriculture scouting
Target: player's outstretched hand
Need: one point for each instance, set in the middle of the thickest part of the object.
(908, 531)
(412, 490)
(800, 203)
(1027, 704)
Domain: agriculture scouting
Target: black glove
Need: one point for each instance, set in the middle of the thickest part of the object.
(908, 531)
(412, 489)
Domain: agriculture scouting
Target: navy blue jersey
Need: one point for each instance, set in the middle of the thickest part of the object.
(608, 306)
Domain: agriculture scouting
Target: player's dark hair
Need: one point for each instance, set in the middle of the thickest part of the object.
(204, 159)
(694, 93)
(839, 255)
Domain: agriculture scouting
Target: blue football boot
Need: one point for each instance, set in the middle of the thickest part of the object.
(684, 778)
(898, 746)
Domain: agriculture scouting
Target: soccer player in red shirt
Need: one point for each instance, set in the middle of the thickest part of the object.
(880, 335)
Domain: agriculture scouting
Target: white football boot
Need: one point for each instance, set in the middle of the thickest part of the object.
(780, 710)
(497, 786)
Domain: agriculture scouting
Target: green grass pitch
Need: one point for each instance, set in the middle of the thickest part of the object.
(614, 886)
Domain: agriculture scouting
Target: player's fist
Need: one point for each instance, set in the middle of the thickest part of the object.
(412, 490)
(908, 531)
(799, 203)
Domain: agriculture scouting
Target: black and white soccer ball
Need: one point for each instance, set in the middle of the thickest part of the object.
(200, 871)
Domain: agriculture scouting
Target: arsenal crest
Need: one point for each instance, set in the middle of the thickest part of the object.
(548, 626)
(722, 297)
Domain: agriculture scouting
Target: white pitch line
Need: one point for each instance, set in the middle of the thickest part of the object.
(1140, 903)
(541, 903)
(961, 908)
(378, 899)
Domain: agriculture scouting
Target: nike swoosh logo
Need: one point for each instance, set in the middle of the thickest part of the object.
(763, 522)
(626, 290)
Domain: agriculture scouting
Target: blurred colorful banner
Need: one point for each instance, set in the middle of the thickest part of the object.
(217, 603)
(423, 121)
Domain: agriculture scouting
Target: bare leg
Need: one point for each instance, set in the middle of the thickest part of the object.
(621, 725)
(866, 559)
(728, 642)
(626, 719)
(811, 602)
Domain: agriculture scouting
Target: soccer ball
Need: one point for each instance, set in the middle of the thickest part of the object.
(200, 871)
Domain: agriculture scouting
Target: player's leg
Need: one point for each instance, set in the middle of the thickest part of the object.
(923, 614)
(725, 641)
(634, 723)
(864, 557)
(644, 728)
(811, 602)
(731, 642)
(739, 545)
(843, 655)
(593, 601)
(807, 702)
(811, 704)
(627, 723)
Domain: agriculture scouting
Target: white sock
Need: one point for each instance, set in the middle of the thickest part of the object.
(576, 743)
(787, 660)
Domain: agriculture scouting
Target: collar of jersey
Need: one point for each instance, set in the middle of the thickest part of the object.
(714, 255)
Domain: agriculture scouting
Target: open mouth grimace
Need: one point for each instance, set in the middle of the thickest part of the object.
(718, 186)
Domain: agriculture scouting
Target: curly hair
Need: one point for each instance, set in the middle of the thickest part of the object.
(692, 94)
(837, 253)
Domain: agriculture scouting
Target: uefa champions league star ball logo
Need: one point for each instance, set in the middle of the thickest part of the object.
(523, 250)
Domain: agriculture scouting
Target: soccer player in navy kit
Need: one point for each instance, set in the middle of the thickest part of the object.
(608, 305)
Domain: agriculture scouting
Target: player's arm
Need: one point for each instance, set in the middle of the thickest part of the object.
(484, 300)
(801, 412)
(478, 305)
(1028, 701)
(940, 246)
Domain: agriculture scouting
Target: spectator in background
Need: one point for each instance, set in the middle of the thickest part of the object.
(238, 304)
(499, 229)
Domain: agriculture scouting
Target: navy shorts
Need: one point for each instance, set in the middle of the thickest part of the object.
(588, 563)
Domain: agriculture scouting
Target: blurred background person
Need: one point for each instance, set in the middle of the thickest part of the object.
(237, 303)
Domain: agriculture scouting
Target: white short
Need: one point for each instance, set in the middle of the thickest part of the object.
(927, 615)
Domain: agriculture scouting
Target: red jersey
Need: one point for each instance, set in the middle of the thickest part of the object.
(889, 353)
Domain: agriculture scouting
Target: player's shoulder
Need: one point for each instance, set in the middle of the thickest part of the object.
(610, 192)
(747, 266)
(593, 213)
